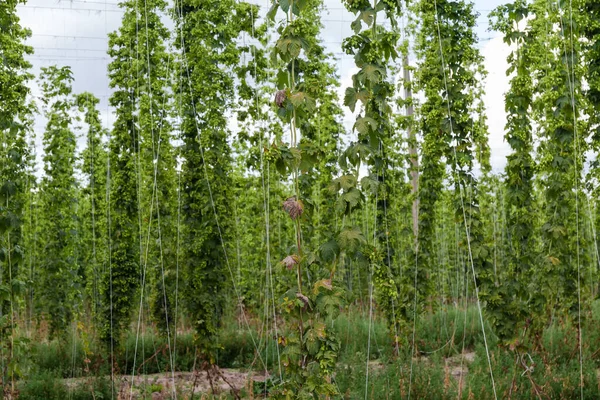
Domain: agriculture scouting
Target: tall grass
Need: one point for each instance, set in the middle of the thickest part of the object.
(552, 371)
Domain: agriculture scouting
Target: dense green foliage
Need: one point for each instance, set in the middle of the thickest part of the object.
(15, 124)
(93, 206)
(59, 283)
(519, 170)
(206, 36)
(229, 217)
(373, 48)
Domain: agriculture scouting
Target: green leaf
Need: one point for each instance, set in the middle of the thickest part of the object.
(297, 99)
(273, 11)
(282, 79)
(370, 184)
(329, 250)
(7, 190)
(370, 73)
(352, 197)
(350, 239)
(367, 16)
(350, 98)
(355, 153)
(356, 26)
(18, 287)
(340, 205)
(291, 46)
(364, 125)
(345, 182)
(285, 5)
(310, 258)
(4, 293)
(329, 302)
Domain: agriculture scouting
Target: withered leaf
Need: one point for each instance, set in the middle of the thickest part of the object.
(323, 283)
(303, 298)
(280, 98)
(293, 207)
(290, 261)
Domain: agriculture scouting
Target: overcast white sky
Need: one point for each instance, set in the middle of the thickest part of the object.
(73, 32)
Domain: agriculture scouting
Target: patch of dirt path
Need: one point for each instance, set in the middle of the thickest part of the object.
(161, 386)
(458, 366)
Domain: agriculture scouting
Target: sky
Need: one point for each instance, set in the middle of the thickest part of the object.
(74, 33)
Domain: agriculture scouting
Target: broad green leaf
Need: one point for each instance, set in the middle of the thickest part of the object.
(329, 250)
(344, 182)
(285, 5)
(350, 98)
(351, 238)
(356, 26)
(273, 11)
(371, 74)
(282, 79)
(352, 197)
(365, 125)
(367, 16)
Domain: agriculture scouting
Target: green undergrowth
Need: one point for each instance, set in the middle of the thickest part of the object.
(49, 386)
(550, 370)
(451, 331)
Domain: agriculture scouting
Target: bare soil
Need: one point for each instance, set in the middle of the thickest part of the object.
(223, 382)
(458, 367)
(162, 386)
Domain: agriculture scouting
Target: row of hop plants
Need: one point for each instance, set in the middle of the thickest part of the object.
(133, 230)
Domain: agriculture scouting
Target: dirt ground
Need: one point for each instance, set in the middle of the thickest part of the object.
(161, 386)
(228, 381)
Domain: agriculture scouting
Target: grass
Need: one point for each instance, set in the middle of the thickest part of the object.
(47, 386)
(553, 371)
